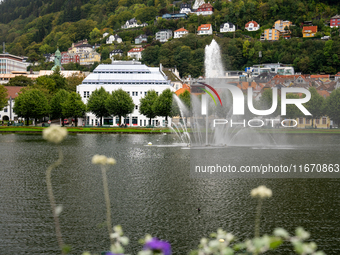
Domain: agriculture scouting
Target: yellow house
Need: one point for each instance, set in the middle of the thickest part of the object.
(271, 35)
(309, 31)
(88, 58)
(323, 122)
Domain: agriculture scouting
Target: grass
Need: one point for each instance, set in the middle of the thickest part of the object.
(141, 130)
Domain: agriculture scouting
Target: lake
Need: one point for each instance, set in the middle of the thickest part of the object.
(152, 192)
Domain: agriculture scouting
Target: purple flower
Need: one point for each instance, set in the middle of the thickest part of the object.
(157, 245)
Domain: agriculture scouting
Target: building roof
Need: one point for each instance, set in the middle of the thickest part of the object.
(252, 22)
(136, 50)
(313, 29)
(117, 51)
(204, 27)
(336, 17)
(184, 5)
(318, 76)
(229, 23)
(13, 91)
(141, 37)
(181, 30)
(208, 5)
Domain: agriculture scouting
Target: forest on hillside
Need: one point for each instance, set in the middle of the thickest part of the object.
(35, 27)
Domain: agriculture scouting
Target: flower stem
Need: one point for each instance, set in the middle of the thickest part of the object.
(258, 218)
(107, 201)
(52, 199)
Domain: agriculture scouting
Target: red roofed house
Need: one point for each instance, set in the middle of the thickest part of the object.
(204, 29)
(252, 26)
(309, 31)
(180, 32)
(135, 53)
(205, 10)
(7, 112)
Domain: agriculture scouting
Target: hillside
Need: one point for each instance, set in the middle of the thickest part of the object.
(36, 27)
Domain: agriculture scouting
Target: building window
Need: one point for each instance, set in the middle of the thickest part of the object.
(324, 120)
(5, 110)
(317, 121)
(157, 93)
(308, 121)
(136, 107)
(133, 93)
(300, 120)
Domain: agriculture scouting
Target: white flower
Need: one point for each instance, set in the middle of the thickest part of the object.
(261, 192)
(99, 159)
(103, 160)
(54, 134)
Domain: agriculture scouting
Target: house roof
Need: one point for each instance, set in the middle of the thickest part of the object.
(13, 91)
(181, 30)
(252, 22)
(322, 76)
(181, 91)
(229, 23)
(313, 29)
(336, 17)
(323, 93)
(205, 6)
(204, 27)
(141, 36)
(117, 51)
(136, 50)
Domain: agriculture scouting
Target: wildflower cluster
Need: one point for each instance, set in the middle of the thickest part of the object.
(54, 134)
(102, 160)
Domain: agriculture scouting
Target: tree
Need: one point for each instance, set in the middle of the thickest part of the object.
(3, 96)
(292, 111)
(185, 98)
(333, 106)
(119, 103)
(73, 106)
(266, 101)
(315, 105)
(56, 104)
(105, 54)
(20, 81)
(163, 104)
(31, 103)
(96, 103)
(147, 105)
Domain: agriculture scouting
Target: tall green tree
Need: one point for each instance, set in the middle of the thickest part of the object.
(31, 103)
(315, 105)
(333, 106)
(73, 107)
(120, 103)
(265, 102)
(146, 106)
(20, 81)
(163, 104)
(97, 103)
(56, 105)
(3, 97)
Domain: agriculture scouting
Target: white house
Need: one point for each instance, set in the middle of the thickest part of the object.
(227, 27)
(105, 34)
(252, 26)
(135, 53)
(205, 10)
(133, 23)
(113, 38)
(185, 8)
(204, 29)
(7, 112)
(117, 52)
(180, 32)
(134, 78)
(163, 35)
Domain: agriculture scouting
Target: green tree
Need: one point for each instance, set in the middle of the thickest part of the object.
(266, 101)
(105, 54)
(120, 103)
(73, 107)
(333, 106)
(3, 96)
(96, 103)
(31, 103)
(146, 106)
(315, 105)
(20, 81)
(56, 105)
(185, 98)
(292, 112)
(163, 104)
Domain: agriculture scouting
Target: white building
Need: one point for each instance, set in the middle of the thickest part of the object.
(117, 52)
(113, 38)
(227, 27)
(133, 23)
(9, 63)
(180, 32)
(204, 29)
(197, 4)
(163, 35)
(185, 8)
(105, 34)
(134, 78)
(7, 112)
(135, 53)
(252, 26)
